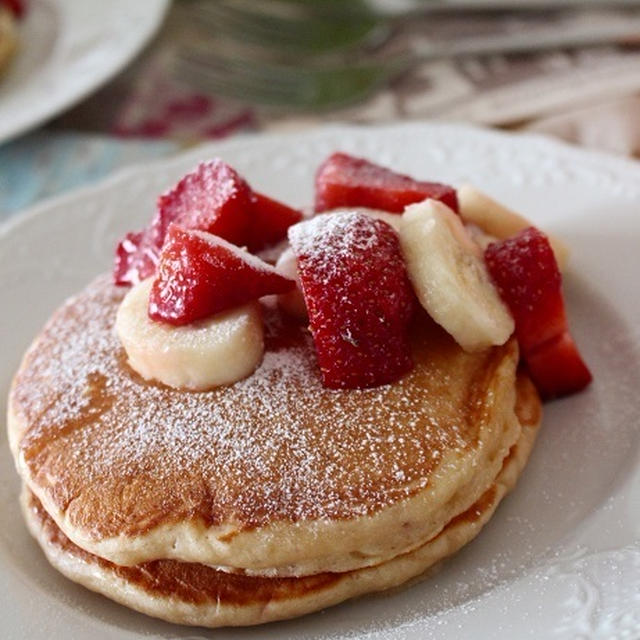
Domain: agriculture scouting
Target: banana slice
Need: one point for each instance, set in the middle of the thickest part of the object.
(496, 220)
(479, 236)
(217, 351)
(293, 302)
(450, 278)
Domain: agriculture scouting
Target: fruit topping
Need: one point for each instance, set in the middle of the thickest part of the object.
(528, 279)
(17, 7)
(200, 274)
(216, 351)
(526, 273)
(345, 181)
(498, 221)
(212, 198)
(450, 278)
(137, 256)
(358, 297)
(557, 368)
(270, 220)
(293, 301)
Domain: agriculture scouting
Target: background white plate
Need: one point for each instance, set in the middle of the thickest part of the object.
(68, 48)
(561, 558)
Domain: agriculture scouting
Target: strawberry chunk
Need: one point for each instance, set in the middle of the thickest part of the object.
(345, 181)
(556, 367)
(212, 198)
(270, 220)
(525, 271)
(359, 298)
(527, 275)
(200, 274)
(17, 7)
(137, 255)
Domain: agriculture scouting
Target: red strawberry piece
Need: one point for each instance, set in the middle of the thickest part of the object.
(200, 274)
(137, 255)
(345, 181)
(212, 198)
(359, 298)
(527, 275)
(17, 7)
(529, 281)
(556, 367)
(269, 222)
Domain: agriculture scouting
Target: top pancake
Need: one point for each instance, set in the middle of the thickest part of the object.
(266, 474)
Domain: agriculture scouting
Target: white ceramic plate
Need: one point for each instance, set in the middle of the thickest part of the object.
(561, 558)
(68, 48)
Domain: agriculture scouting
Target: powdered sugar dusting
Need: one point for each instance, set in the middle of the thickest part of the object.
(277, 445)
(335, 235)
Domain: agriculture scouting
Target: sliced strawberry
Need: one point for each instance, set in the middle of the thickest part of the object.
(137, 255)
(526, 273)
(270, 220)
(212, 198)
(17, 7)
(556, 367)
(200, 274)
(345, 181)
(359, 298)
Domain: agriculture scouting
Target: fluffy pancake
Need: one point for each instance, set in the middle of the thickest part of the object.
(264, 475)
(199, 595)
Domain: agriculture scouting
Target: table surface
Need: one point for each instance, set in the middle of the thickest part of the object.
(144, 113)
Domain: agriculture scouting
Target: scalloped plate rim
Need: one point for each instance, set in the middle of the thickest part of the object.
(627, 170)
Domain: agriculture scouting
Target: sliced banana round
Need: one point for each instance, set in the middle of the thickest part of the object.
(450, 278)
(497, 220)
(479, 236)
(213, 352)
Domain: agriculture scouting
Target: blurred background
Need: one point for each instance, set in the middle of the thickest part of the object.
(87, 89)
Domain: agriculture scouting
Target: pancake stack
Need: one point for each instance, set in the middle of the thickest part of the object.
(267, 499)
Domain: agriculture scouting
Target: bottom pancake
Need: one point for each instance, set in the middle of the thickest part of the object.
(195, 594)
